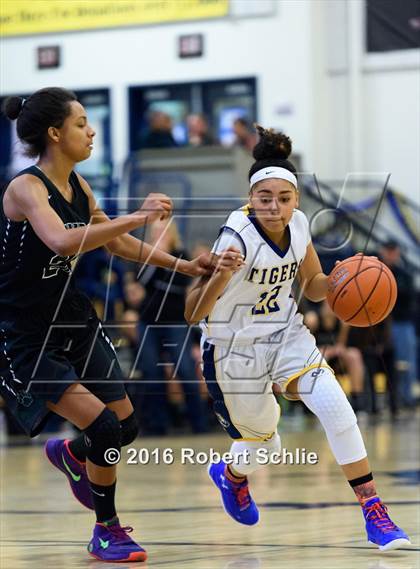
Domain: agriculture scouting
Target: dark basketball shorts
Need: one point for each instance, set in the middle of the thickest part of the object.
(39, 361)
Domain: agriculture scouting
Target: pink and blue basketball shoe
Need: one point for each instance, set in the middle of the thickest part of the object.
(237, 500)
(381, 530)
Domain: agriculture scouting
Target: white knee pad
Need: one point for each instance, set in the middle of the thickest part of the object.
(248, 456)
(347, 447)
(322, 394)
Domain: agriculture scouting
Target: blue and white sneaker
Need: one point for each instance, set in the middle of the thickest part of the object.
(381, 530)
(236, 498)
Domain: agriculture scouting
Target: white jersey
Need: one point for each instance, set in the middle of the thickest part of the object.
(258, 300)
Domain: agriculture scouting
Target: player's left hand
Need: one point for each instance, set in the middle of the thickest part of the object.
(364, 255)
(229, 260)
(206, 263)
(200, 266)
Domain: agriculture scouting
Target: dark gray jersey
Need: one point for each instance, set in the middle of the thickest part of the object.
(31, 274)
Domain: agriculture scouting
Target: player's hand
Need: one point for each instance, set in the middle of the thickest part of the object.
(364, 255)
(357, 254)
(156, 207)
(229, 260)
(208, 263)
(200, 266)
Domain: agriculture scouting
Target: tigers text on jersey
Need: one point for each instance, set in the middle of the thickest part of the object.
(257, 301)
(31, 274)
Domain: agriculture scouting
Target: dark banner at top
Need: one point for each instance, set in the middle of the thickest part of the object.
(392, 25)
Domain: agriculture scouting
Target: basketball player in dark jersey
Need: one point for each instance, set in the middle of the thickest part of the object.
(55, 355)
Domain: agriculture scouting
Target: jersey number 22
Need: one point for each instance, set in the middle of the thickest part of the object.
(267, 302)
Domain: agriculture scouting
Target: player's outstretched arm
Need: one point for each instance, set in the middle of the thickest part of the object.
(203, 294)
(29, 199)
(132, 249)
(311, 277)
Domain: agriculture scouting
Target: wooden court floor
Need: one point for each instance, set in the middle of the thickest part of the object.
(308, 516)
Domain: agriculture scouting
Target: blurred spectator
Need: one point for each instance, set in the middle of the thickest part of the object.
(331, 337)
(403, 322)
(200, 248)
(378, 354)
(134, 294)
(246, 137)
(159, 134)
(101, 276)
(164, 332)
(198, 131)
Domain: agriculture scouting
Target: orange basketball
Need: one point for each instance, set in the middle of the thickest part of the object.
(361, 291)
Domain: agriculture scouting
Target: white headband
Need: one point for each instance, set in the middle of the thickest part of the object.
(273, 172)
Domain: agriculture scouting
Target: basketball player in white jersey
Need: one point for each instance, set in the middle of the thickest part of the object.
(254, 339)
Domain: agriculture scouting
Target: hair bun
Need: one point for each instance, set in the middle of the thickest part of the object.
(272, 145)
(12, 107)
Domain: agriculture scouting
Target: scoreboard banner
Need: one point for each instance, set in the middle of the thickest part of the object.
(30, 17)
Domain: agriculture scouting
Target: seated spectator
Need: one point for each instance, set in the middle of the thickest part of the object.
(378, 355)
(403, 319)
(101, 277)
(163, 332)
(159, 134)
(134, 294)
(246, 137)
(200, 248)
(198, 131)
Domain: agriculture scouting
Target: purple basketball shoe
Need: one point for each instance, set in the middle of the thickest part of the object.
(58, 453)
(111, 543)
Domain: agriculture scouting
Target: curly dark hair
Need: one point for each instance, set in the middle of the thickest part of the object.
(273, 149)
(36, 114)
